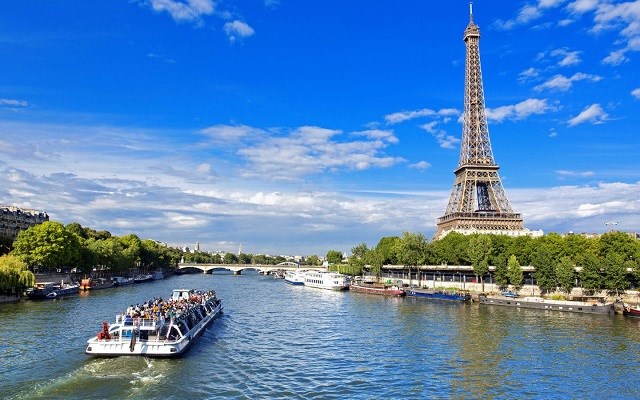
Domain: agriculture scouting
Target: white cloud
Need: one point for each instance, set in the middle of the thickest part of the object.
(621, 16)
(230, 135)
(567, 58)
(519, 111)
(562, 83)
(378, 134)
(402, 116)
(13, 103)
(616, 57)
(593, 113)
(184, 10)
(444, 140)
(420, 165)
(310, 150)
(528, 74)
(636, 93)
(528, 13)
(574, 174)
(582, 6)
(237, 29)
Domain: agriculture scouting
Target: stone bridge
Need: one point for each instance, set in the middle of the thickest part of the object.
(238, 268)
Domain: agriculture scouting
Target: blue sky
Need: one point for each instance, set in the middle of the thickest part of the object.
(295, 127)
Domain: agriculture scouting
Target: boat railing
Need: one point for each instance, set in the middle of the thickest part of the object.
(137, 321)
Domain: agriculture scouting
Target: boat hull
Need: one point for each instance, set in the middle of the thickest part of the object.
(53, 293)
(553, 305)
(632, 312)
(438, 295)
(381, 291)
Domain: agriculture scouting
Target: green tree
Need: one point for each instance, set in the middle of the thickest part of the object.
(47, 245)
(411, 249)
(451, 249)
(523, 248)
(313, 260)
(545, 268)
(375, 260)
(501, 275)
(514, 270)
(109, 254)
(591, 274)
(131, 250)
(478, 252)
(386, 249)
(244, 258)
(334, 257)
(230, 258)
(565, 274)
(615, 273)
(357, 258)
(618, 243)
(14, 275)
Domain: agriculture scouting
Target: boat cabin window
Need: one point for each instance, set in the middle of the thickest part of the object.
(181, 294)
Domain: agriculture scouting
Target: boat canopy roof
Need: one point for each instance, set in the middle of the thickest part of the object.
(181, 294)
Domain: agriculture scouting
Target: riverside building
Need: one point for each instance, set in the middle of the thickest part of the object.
(15, 219)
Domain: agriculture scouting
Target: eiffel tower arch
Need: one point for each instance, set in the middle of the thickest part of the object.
(478, 201)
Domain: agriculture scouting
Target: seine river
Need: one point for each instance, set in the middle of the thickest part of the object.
(277, 341)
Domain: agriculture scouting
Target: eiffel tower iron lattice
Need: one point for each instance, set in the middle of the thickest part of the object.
(478, 202)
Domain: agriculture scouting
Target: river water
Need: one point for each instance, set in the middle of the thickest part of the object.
(276, 341)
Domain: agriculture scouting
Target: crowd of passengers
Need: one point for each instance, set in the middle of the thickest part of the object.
(165, 310)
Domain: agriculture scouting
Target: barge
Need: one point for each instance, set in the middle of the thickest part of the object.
(439, 294)
(545, 304)
(377, 288)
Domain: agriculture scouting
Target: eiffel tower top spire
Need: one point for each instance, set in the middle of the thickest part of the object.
(476, 146)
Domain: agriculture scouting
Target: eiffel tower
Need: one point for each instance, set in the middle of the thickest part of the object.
(478, 202)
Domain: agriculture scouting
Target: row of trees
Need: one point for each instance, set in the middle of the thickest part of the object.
(610, 261)
(51, 245)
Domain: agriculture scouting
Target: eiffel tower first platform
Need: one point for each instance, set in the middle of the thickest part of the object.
(478, 202)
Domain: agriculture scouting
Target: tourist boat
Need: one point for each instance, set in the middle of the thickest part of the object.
(295, 277)
(439, 294)
(377, 288)
(279, 274)
(546, 304)
(168, 333)
(51, 290)
(96, 284)
(142, 278)
(326, 280)
(122, 281)
(632, 311)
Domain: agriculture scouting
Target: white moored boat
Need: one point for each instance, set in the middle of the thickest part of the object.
(295, 277)
(157, 328)
(326, 280)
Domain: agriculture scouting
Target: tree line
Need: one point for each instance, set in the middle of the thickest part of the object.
(610, 261)
(52, 246)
